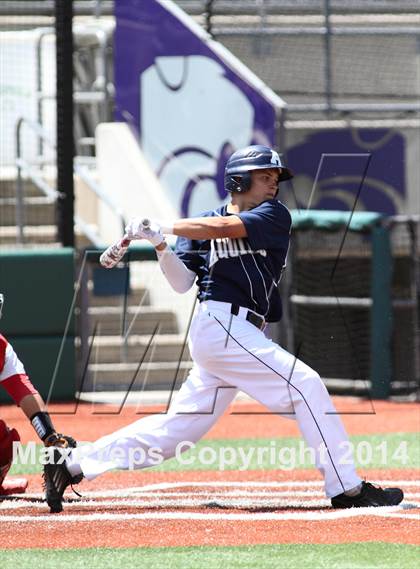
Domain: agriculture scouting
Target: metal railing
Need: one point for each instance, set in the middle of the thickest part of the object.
(100, 95)
(50, 192)
(197, 7)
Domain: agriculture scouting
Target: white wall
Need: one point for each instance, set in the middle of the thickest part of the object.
(126, 177)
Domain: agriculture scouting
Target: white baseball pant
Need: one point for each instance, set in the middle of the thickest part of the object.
(231, 354)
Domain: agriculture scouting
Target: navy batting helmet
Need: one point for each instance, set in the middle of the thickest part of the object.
(255, 157)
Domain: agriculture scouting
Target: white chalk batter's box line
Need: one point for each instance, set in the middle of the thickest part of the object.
(193, 499)
(206, 494)
(153, 489)
(164, 486)
(184, 502)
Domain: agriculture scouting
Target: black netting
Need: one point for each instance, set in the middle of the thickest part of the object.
(335, 339)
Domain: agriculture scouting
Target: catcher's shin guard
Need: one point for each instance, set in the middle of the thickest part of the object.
(57, 477)
(7, 438)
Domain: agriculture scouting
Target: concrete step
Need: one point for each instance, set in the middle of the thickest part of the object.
(36, 234)
(141, 320)
(8, 185)
(27, 247)
(33, 234)
(164, 348)
(36, 211)
(150, 376)
(136, 297)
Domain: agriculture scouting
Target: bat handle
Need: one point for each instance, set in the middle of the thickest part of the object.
(146, 223)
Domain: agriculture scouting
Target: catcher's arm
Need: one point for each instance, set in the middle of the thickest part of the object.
(41, 422)
(34, 408)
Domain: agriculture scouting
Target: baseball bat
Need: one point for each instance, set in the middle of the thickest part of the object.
(113, 255)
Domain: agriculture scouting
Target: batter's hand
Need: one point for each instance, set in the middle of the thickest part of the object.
(137, 230)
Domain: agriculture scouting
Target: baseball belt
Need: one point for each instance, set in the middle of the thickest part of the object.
(253, 318)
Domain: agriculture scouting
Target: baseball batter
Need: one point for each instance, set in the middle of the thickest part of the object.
(235, 255)
(14, 380)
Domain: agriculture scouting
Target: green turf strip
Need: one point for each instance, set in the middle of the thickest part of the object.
(393, 450)
(299, 556)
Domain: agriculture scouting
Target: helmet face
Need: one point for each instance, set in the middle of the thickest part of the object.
(256, 157)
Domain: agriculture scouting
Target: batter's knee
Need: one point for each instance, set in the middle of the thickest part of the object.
(316, 388)
(315, 379)
(309, 382)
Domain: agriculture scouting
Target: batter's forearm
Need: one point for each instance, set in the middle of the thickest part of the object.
(210, 227)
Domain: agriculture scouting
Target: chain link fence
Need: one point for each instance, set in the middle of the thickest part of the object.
(28, 157)
(325, 51)
(27, 69)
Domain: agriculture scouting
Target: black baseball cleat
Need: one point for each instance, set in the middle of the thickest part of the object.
(369, 495)
(56, 479)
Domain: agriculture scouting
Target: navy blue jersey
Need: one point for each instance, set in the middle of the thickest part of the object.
(243, 271)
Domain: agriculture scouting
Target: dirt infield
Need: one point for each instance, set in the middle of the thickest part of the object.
(88, 422)
(151, 508)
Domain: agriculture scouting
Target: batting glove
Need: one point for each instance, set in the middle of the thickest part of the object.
(136, 230)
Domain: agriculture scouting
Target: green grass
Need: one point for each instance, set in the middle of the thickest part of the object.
(299, 556)
(393, 450)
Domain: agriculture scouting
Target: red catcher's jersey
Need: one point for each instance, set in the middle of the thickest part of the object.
(10, 364)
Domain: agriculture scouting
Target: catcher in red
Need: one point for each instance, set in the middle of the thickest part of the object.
(15, 381)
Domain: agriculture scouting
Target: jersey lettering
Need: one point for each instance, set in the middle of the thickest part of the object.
(225, 248)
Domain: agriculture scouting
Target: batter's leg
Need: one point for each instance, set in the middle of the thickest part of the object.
(297, 392)
(197, 406)
(246, 359)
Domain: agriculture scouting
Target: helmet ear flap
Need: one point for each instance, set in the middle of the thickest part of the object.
(246, 181)
(238, 183)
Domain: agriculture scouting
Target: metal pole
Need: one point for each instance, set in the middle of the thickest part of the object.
(65, 138)
(262, 42)
(381, 314)
(413, 227)
(208, 14)
(40, 95)
(327, 58)
(98, 9)
(19, 187)
(84, 324)
(39, 90)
